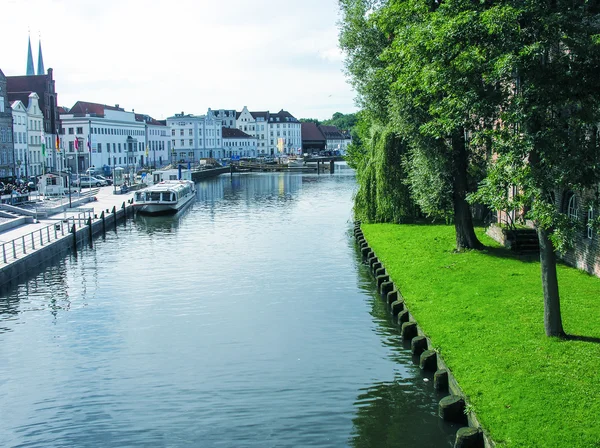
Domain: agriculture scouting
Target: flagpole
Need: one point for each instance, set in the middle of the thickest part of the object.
(90, 151)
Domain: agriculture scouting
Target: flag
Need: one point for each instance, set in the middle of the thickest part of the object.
(43, 143)
(147, 150)
(76, 144)
(57, 143)
(89, 143)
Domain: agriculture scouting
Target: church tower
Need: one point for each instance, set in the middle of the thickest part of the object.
(40, 70)
(30, 69)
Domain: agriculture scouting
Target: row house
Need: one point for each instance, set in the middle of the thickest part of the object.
(227, 117)
(275, 132)
(20, 88)
(31, 144)
(238, 143)
(195, 137)
(102, 136)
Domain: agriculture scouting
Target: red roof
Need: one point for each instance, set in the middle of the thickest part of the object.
(84, 107)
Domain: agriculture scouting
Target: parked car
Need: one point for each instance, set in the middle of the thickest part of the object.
(107, 180)
(88, 181)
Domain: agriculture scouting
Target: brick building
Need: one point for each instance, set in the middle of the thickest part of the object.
(7, 163)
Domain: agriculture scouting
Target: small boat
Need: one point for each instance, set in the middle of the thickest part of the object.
(295, 163)
(168, 196)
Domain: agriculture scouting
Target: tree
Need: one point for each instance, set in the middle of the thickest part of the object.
(310, 120)
(418, 66)
(547, 66)
(342, 121)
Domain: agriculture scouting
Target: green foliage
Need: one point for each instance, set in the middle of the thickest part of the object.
(344, 122)
(430, 181)
(382, 195)
(482, 311)
(310, 120)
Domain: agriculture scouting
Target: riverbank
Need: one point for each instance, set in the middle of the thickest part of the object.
(484, 313)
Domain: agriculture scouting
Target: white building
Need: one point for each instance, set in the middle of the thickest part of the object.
(35, 136)
(158, 141)
(336, 140)
(195, 137)
(227, 117)
(275, 132)
(238, 143)
(20, 139)
(109, 136)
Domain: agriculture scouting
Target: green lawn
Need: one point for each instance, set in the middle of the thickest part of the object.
(484, 313)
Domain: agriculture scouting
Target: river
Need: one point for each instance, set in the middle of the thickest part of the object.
(247, 320)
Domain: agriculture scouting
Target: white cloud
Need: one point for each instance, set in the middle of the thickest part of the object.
(163, 57)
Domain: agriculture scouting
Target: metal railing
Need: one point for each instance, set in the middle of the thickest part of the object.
(35, 240)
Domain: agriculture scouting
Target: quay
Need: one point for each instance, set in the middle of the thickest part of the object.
(311, 165)
(29, 237)
(58, 229)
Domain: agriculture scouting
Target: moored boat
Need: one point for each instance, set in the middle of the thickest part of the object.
(165, 197)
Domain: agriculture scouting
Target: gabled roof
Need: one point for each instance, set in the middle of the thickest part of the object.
(331, 132)
(284, 117)
(84, 107)
(35, 83)
(310, 131)
(19, 88)
(20, 96)
(234, 133)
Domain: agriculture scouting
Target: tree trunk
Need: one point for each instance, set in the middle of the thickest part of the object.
(463, 221)
(552, 318)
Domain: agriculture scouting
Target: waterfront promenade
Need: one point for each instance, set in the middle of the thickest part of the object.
(31, 235)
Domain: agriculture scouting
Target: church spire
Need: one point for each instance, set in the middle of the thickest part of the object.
(30, 69)
(40, 70)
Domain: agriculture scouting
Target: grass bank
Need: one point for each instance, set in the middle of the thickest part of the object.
(484, 313)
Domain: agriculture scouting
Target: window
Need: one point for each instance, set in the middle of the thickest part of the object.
(182, 142)
(71, 131)
(173, 132)
(71, 147)
(191, 142)
(119, 146)
(80, 130)
(181, 132)
(1, 104)
(99, 147)
(590, 219)
(191, 132)
(572, 208)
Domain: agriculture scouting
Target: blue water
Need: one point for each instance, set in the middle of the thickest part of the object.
(247, 320)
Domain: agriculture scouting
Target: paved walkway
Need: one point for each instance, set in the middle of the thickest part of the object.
(24, 239)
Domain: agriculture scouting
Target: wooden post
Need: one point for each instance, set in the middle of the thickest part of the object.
(114, 213)
(103, 223)
(90, 231)
(74, 231)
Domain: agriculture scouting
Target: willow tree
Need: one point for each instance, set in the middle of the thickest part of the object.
(548, 141)
(419, 67)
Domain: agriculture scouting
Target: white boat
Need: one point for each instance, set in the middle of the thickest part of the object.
(168, 196)
(297, 162)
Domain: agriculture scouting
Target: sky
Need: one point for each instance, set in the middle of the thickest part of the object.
(165, 57)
